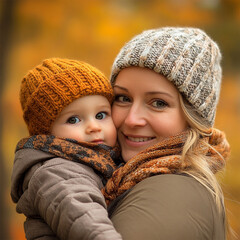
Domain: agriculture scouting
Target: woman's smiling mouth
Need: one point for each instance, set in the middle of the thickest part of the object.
(137, 139)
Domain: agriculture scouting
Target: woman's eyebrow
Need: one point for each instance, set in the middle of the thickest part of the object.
(147, 93)
(122, 88)
(159, 92)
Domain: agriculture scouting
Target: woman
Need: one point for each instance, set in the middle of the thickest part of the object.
(167, 84)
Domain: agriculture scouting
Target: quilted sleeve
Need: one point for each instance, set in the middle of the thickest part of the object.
(37, 229)
(67, 196)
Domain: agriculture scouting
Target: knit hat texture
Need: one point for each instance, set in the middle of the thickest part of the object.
(185, 56)
(54, 84)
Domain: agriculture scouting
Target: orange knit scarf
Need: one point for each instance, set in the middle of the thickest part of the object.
(164, 158)
(100, 158)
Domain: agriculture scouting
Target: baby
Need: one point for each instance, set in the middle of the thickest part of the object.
(60, 169)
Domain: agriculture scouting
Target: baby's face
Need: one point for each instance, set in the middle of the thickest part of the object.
(87, 119)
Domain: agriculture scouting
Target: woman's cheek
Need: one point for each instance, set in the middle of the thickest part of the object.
(117, 115)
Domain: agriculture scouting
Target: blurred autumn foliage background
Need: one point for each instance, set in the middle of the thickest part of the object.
(94, 31)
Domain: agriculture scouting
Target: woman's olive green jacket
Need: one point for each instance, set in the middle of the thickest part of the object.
(168, 207)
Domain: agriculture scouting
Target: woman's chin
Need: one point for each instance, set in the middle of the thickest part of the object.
(132, 148)
(127, 155)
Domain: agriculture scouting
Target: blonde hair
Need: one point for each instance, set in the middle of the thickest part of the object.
(200, 164)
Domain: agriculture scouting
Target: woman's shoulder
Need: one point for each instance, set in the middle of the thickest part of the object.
(172, 206)
(175, 187)
(178, 190)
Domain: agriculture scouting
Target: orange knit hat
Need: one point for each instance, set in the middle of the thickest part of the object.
(54, 84)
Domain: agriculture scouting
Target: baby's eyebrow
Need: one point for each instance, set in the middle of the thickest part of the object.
(73, 113)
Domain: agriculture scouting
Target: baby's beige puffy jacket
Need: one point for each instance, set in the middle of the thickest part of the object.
(60, 198)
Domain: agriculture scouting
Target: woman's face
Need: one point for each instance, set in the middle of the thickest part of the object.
(146, 110)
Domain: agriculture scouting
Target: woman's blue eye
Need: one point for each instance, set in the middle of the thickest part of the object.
(159, 104)
(73, 120)
(122, 98)
(101, 115)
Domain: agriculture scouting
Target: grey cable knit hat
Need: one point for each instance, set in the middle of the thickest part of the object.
(185, 56)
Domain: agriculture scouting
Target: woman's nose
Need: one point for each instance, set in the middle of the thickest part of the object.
(136, 117)
(92, 126)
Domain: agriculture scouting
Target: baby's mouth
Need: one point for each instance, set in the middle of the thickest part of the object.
(98, 141)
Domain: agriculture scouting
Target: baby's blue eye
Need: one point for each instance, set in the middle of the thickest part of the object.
(73, 120)
(159, 104)
(101, 115)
